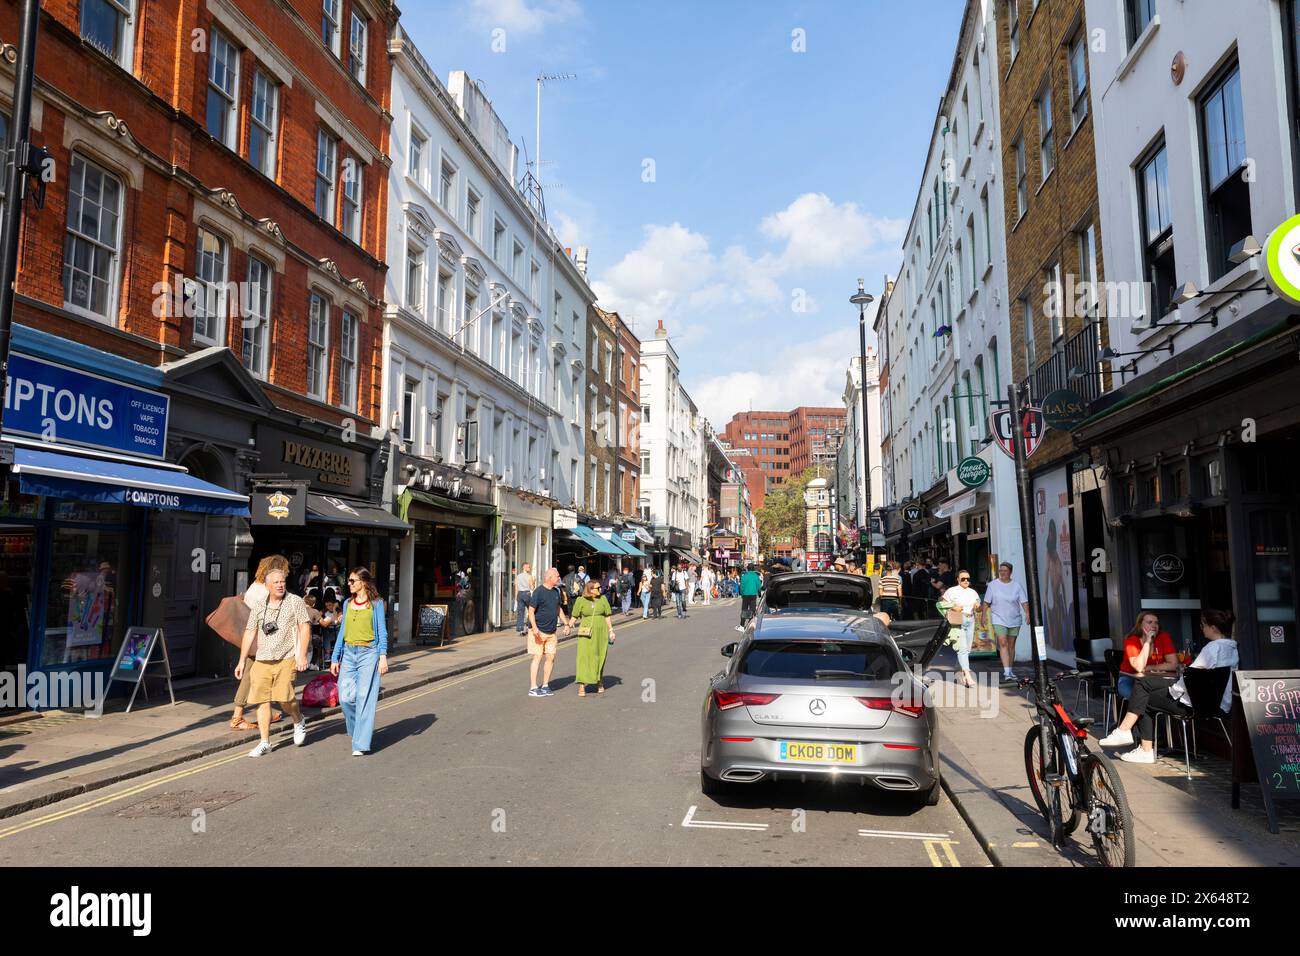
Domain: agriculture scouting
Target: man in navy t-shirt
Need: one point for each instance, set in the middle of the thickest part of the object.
(545, 615)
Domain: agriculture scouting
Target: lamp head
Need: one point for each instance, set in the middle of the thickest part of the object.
(862, 297)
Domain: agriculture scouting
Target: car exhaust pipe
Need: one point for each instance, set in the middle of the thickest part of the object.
(896, 783)
(742, 776)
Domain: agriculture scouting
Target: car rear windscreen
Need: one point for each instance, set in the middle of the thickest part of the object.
(792, 596)
(789, 660)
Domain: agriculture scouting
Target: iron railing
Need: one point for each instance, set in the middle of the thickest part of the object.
(1080, 351)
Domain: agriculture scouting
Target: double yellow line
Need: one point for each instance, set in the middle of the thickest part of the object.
(401, 698)
(947, 852)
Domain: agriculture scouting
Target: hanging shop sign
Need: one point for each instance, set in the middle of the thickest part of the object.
(913, 514)
(1032, 428)
(1282, 260)
(280, 505)
(66, 405)
(973, 472)
(1064, 409)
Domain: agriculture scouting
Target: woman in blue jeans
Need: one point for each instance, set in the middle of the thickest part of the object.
(360, 658)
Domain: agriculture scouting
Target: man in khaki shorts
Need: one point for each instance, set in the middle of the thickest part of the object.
(545, 614)
(282, 627)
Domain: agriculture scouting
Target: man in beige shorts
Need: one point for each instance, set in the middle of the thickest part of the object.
(545, 615)
(282, 626)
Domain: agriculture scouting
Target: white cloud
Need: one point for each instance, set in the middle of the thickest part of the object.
(521, 16)
(674, 275)
(818, 233)
(811, 373)
(567, 228)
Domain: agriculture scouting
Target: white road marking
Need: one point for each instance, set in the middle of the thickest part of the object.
(905, 835)
(690, 821)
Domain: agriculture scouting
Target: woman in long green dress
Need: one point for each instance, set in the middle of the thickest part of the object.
(595, 634)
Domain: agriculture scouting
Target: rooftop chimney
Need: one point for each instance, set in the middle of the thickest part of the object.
(582, 260)
(661, 332)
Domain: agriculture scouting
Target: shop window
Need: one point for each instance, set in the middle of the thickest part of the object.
(1177, 484)
(1223, 137)
(1151, 489)
(1213, 478)
(87, 587)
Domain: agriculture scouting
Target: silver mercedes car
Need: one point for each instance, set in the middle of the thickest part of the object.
(821, 692)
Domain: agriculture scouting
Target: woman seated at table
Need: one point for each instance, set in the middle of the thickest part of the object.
(1151, 695)
(1147, 650)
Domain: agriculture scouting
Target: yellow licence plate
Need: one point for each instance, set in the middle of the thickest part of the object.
(797, 752)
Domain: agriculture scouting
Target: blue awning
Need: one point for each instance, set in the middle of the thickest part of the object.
(628, 547)
(118, 482)
(594, 541)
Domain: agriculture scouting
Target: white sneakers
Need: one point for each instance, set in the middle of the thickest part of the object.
(299, 738)
(358, 753)
(1118, 738)
(1138, 755)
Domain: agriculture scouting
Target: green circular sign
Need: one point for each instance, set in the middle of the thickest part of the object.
(972, 472)
(1282, 259)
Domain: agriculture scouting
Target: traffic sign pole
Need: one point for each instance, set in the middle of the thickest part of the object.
(1030, 534)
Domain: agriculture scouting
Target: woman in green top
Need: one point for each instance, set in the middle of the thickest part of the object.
(592, 612)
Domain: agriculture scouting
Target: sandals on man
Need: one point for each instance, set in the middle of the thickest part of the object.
(241, 724)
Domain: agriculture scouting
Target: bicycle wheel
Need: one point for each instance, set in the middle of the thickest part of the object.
(1112, 832)
(1034, 769)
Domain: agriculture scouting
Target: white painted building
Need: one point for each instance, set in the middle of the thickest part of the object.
(1161, 202)
(674, 472)
(485, 323)
(949, 346)
(853, 503)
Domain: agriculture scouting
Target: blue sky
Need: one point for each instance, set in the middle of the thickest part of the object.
(779, 176)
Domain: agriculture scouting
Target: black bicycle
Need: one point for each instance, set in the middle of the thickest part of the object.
(1071, 784)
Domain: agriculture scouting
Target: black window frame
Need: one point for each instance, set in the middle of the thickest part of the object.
(1155, 250)
(1232, 185)
(1131, 10)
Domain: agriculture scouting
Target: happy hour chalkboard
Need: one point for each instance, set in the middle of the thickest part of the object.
(432, 624)
(1266, 712)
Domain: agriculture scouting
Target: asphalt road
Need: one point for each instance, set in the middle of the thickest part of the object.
(473, 771)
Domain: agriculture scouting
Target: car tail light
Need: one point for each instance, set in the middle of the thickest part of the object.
(901, 747)
(888, 703)
(726, 700)
(737, 740)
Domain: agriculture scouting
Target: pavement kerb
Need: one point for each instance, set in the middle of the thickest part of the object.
(978, 818)
(171, 758)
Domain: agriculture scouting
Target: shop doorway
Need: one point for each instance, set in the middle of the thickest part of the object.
(175, 589)
(1271, 573)
(449, 569)
(1169, 578)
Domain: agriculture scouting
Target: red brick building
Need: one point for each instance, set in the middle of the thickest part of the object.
(217, 216)
(781, 444)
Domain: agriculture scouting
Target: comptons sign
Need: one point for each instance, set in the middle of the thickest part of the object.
(332, 467)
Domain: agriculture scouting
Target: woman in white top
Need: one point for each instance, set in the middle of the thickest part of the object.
(1009, 607)
(1151, 694)
(962, 596)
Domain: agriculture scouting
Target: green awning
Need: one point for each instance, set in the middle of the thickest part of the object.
(628, 547)
(442, 502)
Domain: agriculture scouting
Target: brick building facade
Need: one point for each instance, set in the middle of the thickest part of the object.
(214, 231)
(1050, 195)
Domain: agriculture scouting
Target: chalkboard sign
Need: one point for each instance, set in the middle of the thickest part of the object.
(1266, 722)
(432, 624)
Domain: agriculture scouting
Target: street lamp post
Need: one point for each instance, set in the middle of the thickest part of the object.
(862, 299)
